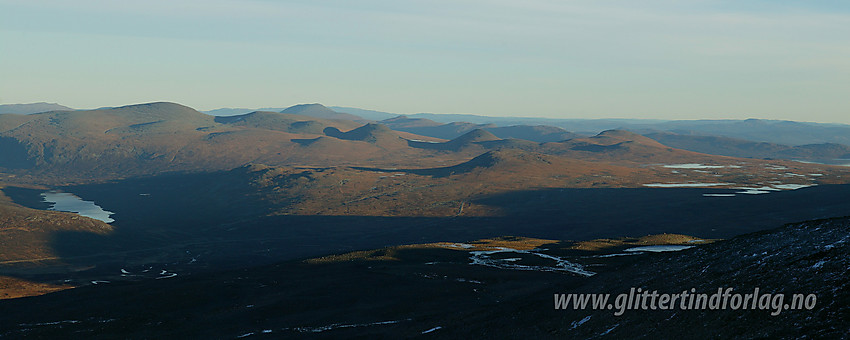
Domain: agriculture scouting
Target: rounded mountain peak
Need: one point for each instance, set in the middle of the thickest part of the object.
(477, 135)
(370, 132)
(318, 111)
(307, 108)
(160, 110)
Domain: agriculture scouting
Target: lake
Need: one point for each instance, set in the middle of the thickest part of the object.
(68, 202)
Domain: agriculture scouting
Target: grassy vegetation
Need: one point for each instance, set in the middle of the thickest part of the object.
(13, 288)
(25, 234)
(649, 240)
(510, 242)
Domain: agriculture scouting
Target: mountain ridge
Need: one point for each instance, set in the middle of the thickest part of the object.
(32, 108)
(319, 111)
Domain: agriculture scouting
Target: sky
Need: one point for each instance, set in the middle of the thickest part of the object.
(535, 58)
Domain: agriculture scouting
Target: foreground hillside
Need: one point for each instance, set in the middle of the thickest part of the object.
(26, 238)
(26, 234)
(440, 291)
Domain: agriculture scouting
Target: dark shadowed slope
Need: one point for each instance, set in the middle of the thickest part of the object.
(802, 258)
(406, 291)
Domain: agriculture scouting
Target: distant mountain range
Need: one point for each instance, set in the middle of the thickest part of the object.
(152, 138)
(319, 111)
(756, 130)
(427, 127)
(24, 109)
(368, 114)
(30, 140)
(751, 138)
(740, 138)
(240, 111)
(717, 145)
(581, 126)
(156, 137)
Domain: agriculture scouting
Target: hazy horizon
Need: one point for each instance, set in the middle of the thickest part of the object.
(582, 60)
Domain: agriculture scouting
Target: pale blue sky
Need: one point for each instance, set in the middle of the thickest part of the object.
(549, 58)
